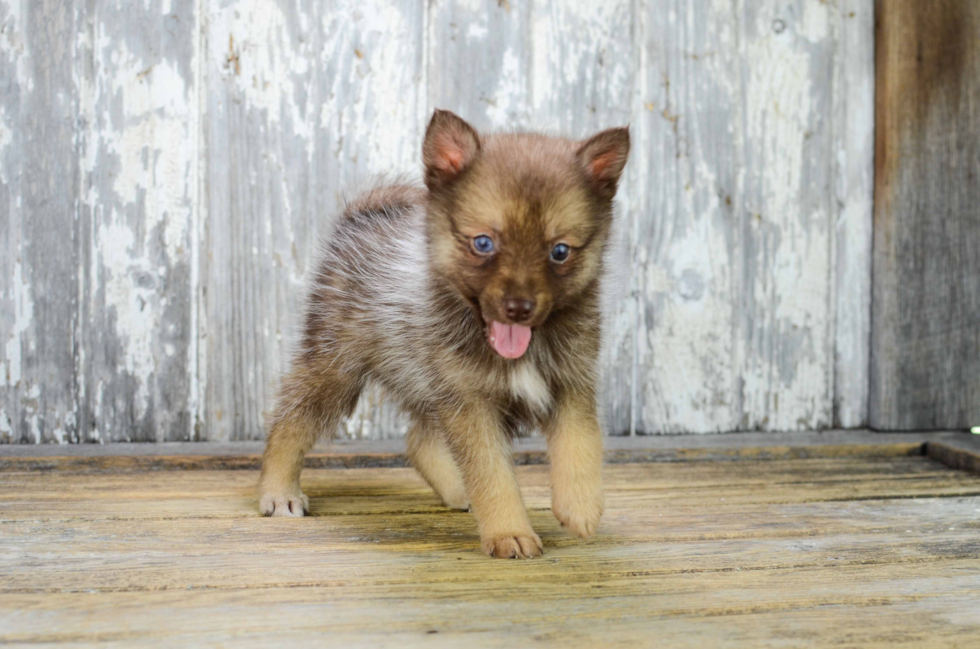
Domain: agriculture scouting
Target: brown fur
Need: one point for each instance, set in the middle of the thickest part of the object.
(402, 298)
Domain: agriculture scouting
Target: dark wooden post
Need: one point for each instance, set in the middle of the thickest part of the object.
(925, 341)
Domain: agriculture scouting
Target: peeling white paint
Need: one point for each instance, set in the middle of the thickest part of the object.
(135, 317)
(815, 25)
(23, 303)
(854, 138)
(29, 404)
(14, 45)
(155, 148)
(595, 66)
(791, 316)
(509, 95)
(6, 431)
(252, 39)
(476, 31)
(686, 199)
(731, 318)
(6, 137)
(142, 113)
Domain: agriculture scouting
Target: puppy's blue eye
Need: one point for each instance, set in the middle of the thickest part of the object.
(483, 244)
(560, 252)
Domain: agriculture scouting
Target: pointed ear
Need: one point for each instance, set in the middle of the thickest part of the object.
(450, 146)
(603, 156)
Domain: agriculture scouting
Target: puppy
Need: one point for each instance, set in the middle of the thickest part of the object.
(475, 303)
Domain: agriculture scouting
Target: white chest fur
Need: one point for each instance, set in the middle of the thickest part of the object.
(527, 385)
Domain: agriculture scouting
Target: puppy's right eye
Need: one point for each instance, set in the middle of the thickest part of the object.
(483, 244)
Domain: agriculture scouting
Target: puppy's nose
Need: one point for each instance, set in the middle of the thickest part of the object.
(518, 309)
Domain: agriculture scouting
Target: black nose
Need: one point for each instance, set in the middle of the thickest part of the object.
(518, 309)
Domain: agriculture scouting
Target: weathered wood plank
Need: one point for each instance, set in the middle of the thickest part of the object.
(785, 210)
(653, 477)
(854, 98)
(683, 210)
(925, 346)
(734, 223)
(347, 453)
(740, 554)
(865, 443)
(106, 556)
(306, 101)
(955, 454)
(401, 491)
(702, 616)
(478, 62)
(139, 220)
(368, 457)
(38, 230)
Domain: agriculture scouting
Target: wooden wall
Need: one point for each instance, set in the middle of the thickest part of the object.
(925, 370)
(165, 167)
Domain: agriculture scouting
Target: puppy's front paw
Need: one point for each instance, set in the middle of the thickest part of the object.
(286, 502)
(578, 511)
(513, 546)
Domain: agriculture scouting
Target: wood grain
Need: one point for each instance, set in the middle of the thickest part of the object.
(138, 91)
(853, 551)
(684, 250)
(308, 101)
(39, 251)
(925, 369)
(733, 229)
(854, 99)
(376, 458)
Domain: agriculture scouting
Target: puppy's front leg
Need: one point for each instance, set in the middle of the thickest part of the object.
(483, 452)
(575, 449)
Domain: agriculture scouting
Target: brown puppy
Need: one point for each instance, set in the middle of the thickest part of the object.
(475, 303)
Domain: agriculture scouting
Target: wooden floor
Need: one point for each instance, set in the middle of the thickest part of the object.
(865, 550)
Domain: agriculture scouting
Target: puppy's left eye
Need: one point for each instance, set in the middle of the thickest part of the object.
(483, 244)
(560, 252)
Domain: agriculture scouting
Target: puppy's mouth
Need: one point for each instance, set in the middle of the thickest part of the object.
(508, 340)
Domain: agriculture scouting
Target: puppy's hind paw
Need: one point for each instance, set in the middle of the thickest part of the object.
(521, 546)
(579, 515)
(293, 503)
(457, 501)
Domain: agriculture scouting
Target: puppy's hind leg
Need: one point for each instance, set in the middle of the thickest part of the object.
(312, 400)
(429, 453)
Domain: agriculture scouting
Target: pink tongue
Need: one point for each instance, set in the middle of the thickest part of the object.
(510, 341)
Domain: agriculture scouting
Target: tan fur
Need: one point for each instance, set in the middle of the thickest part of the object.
(575, 451)
(401, 297)
(431, 456)
(484, 457)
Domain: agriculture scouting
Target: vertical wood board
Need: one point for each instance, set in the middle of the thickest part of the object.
(785, 210)
(854, 128)
(683, 218)
(137, 84)
(734, 222)
(307, 102)
(925, 345)
(38, 246)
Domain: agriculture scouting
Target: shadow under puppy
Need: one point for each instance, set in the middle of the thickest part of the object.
(476, 304)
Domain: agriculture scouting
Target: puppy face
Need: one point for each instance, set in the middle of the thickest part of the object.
(518, 222)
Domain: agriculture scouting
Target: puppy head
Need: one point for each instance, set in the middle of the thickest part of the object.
(518, 222)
